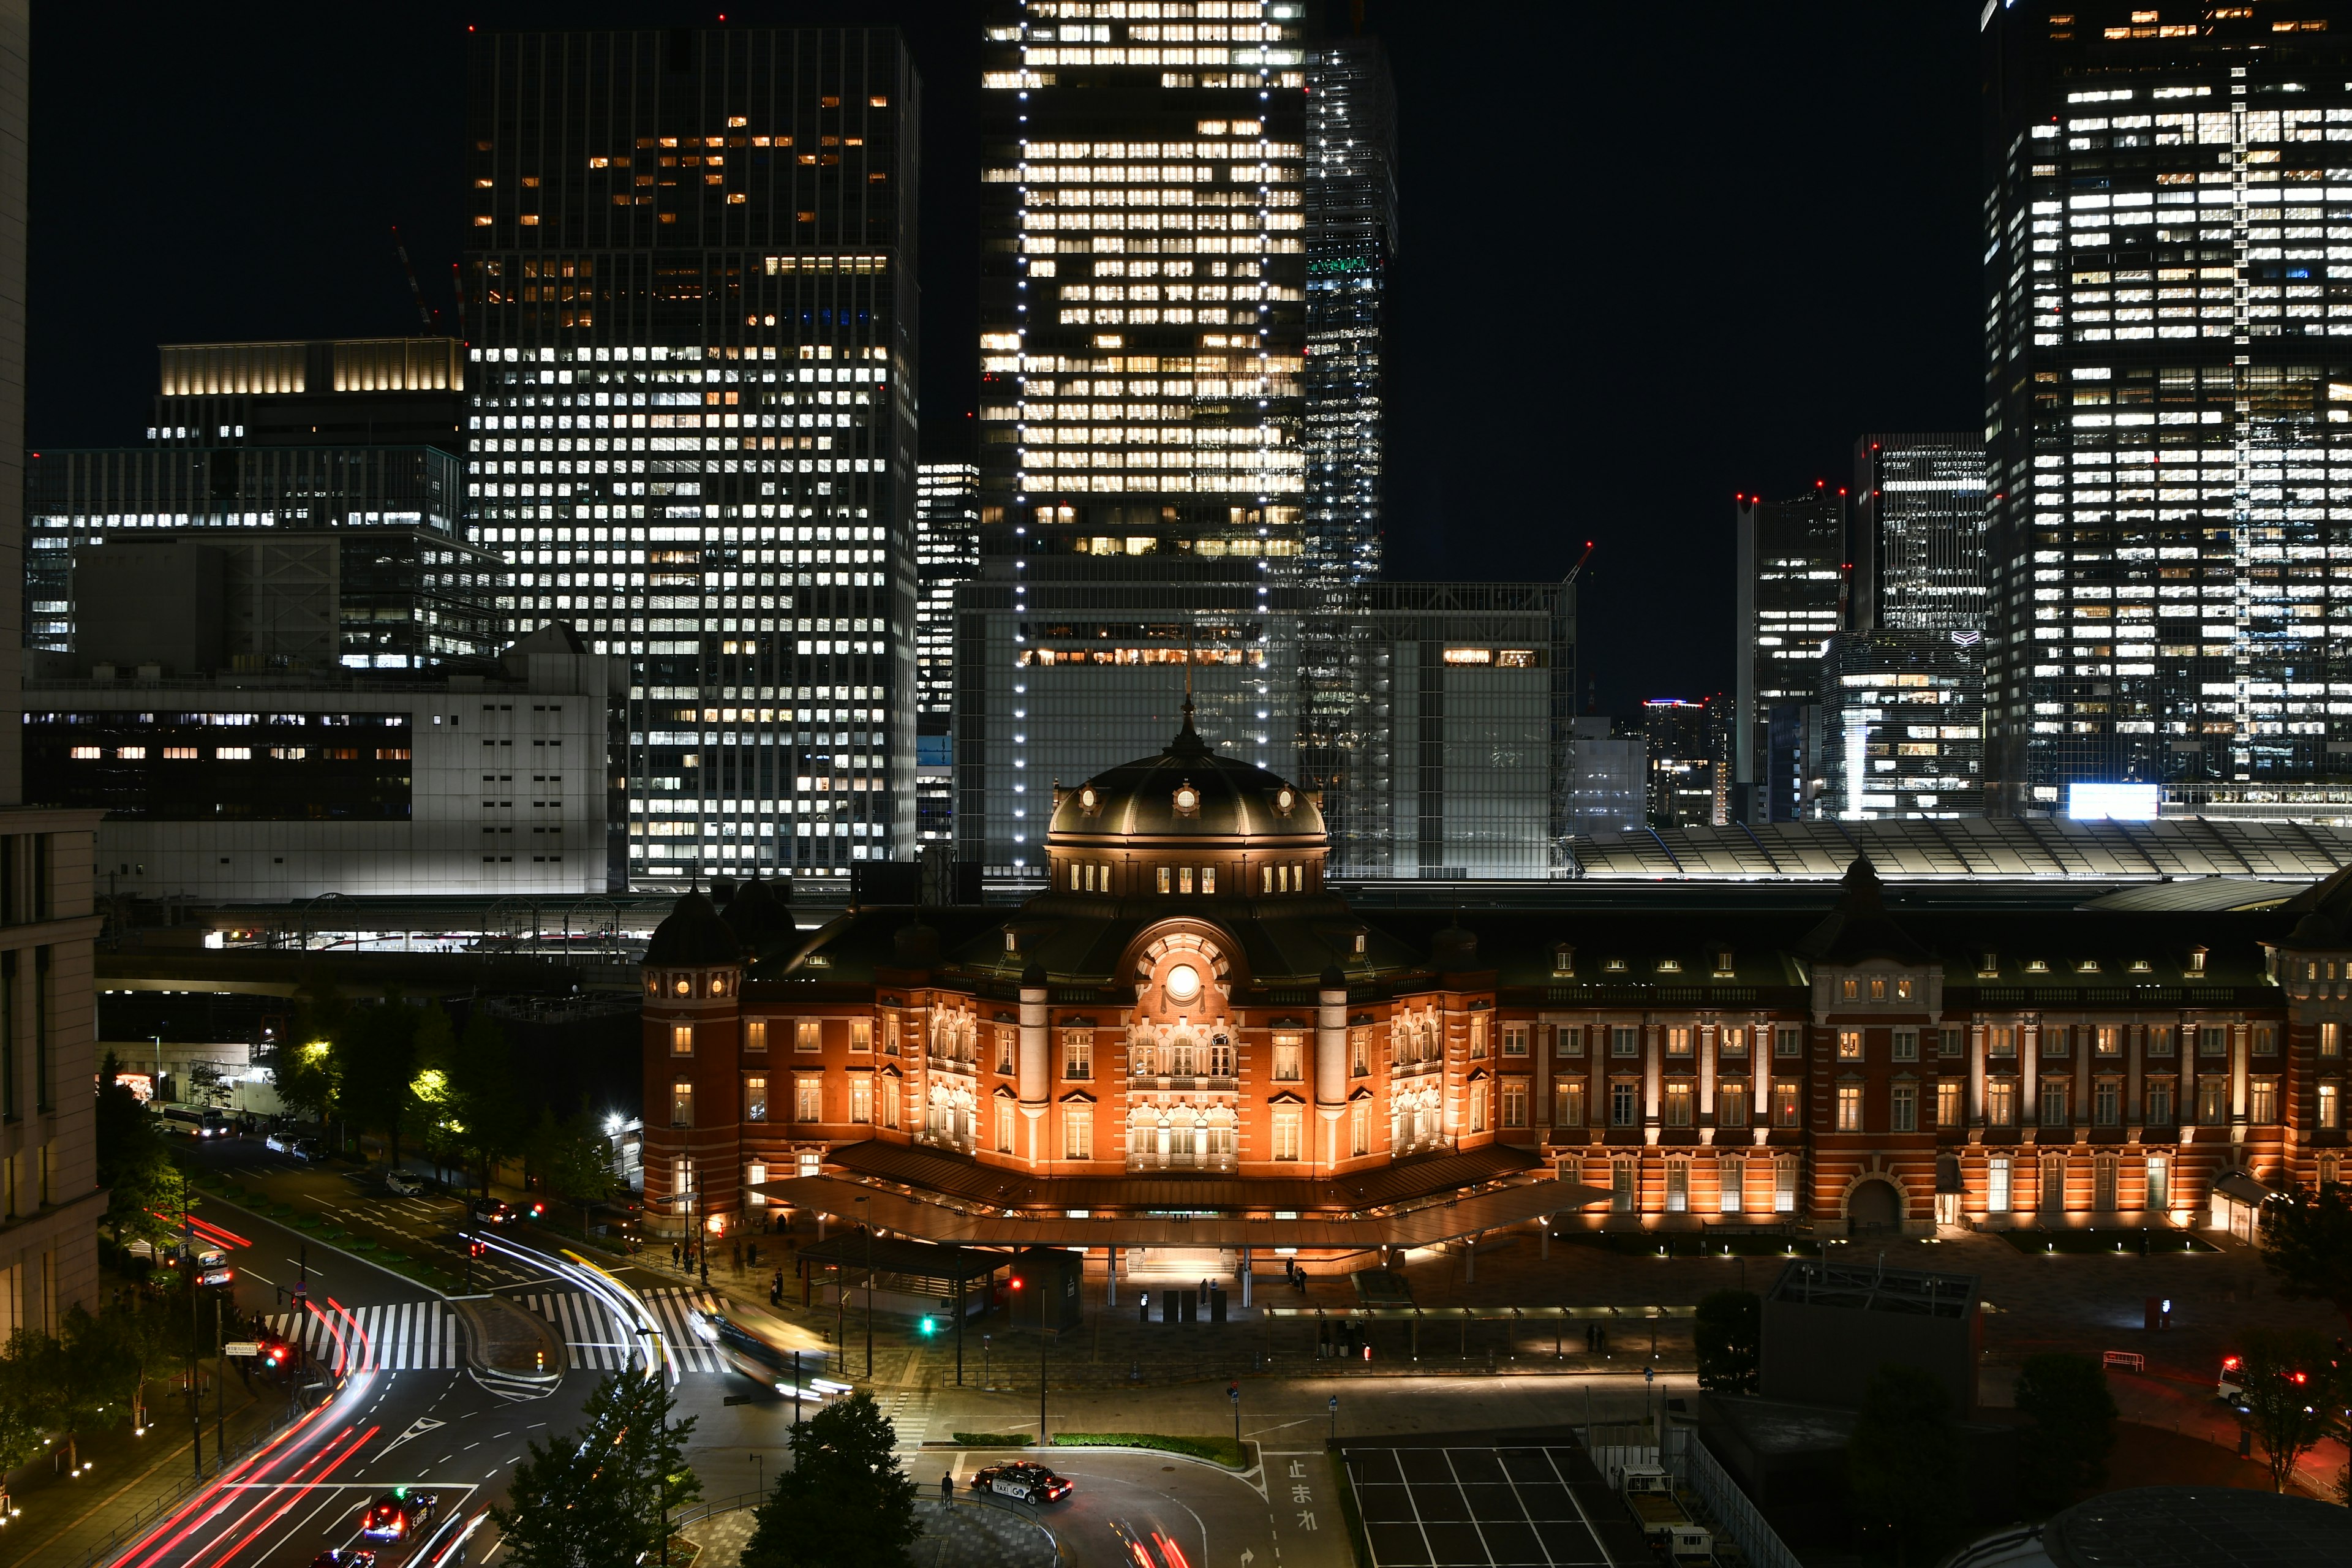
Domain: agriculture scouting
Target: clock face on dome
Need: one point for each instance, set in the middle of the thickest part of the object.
(1188, 799)
(1284, 799)
(1089, 800)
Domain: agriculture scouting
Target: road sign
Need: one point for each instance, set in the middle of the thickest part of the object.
(1335, 1404)
(241, 1347)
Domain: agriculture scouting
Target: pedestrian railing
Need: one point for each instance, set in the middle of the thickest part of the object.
(697, 1514)
(1731, 1512)
(146, 1517)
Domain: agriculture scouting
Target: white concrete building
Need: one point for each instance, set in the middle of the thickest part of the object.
(270, 787)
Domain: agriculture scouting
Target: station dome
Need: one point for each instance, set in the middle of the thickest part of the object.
(1187, 793)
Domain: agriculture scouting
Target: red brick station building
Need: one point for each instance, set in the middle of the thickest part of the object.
(1188, 1040)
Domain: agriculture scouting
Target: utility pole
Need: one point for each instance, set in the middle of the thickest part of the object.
(196, 1402)
(220, 1389)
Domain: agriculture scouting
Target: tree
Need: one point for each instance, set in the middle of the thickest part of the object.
(23, 1401)
(150, 1331)
(844, 1503)
(574, 1159)
(1905, 1459)
(1728, 1329)
(375, 1052)
(307, 1079)
(2307, 1243)
(2073, 1425)
(482, 1087)
(603, 1497)
(2289, 1395)
(135, 1165)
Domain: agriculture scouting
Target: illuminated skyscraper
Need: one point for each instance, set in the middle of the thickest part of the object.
(1919, 532)
(2168, 405)
(691, 293)
(1143, 468)
(1791, 594)
(946, 553)
(1351, 232)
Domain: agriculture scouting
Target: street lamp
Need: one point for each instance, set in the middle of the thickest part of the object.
(869, 1291)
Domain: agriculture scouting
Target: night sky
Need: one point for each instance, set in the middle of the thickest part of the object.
(1652, 255)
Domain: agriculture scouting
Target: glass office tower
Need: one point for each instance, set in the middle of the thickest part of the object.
(2169, 406)
(691, 293)
(1142, 460)
(1789, 601)
(1919, 532)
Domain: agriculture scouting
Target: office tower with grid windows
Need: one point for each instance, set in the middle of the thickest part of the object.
(1790, 600)
(2168, 406)
(946, 553)
(1684, 743)
(691, 289)
(1143, 468)
(1901, 702)
(328, 474)
(1919, 513)
(1350, 208)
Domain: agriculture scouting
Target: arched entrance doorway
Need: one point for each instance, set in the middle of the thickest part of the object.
(1874, 1204)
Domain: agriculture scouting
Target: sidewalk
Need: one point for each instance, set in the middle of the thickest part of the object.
(66, 1523)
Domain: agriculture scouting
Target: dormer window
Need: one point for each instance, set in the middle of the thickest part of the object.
(1563, 958)
(2036, 966)
(1670, 966)
(2087, 966)
(1614, 965)
(2139, 966)
(2196, 961)
(1988, 965)
(1723, 961)
(1359, 941)
(1012, 942)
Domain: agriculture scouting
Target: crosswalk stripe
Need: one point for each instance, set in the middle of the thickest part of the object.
(596, 1341)
(404, 1336)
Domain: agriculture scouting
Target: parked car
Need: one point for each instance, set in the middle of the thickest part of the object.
(404, 1184)
(291, 1140)
(1020, 1478)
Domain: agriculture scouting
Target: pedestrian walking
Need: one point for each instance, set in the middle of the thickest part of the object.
(674, 1252)
(776, 1290)
(947, 1487)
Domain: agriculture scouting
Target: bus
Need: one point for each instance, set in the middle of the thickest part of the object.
(195, 1120)
(762, 1349)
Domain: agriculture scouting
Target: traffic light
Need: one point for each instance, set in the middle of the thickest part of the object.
(928, 1327)
(538, 1211)
(474, 1249)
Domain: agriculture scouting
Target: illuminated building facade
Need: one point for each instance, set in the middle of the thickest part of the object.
(1189, 1018)
(946, 553)
(1351, 234)
(1143, 457)
(1350, 205)
(1790, 588)
(691, 421)
(1919, 517)
(1685, 745)
(2168, 405)
(1611, 778)
(329, 470)
(1905, 725)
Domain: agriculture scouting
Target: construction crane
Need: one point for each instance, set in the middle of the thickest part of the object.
(424, 315)
(1577, 570)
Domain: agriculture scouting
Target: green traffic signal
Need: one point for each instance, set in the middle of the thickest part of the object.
(928, 1328)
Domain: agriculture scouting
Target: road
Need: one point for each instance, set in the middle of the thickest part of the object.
(402, 1410)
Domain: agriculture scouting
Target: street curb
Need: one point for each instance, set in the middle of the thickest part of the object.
(1101, 1448)
(474, 1310)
